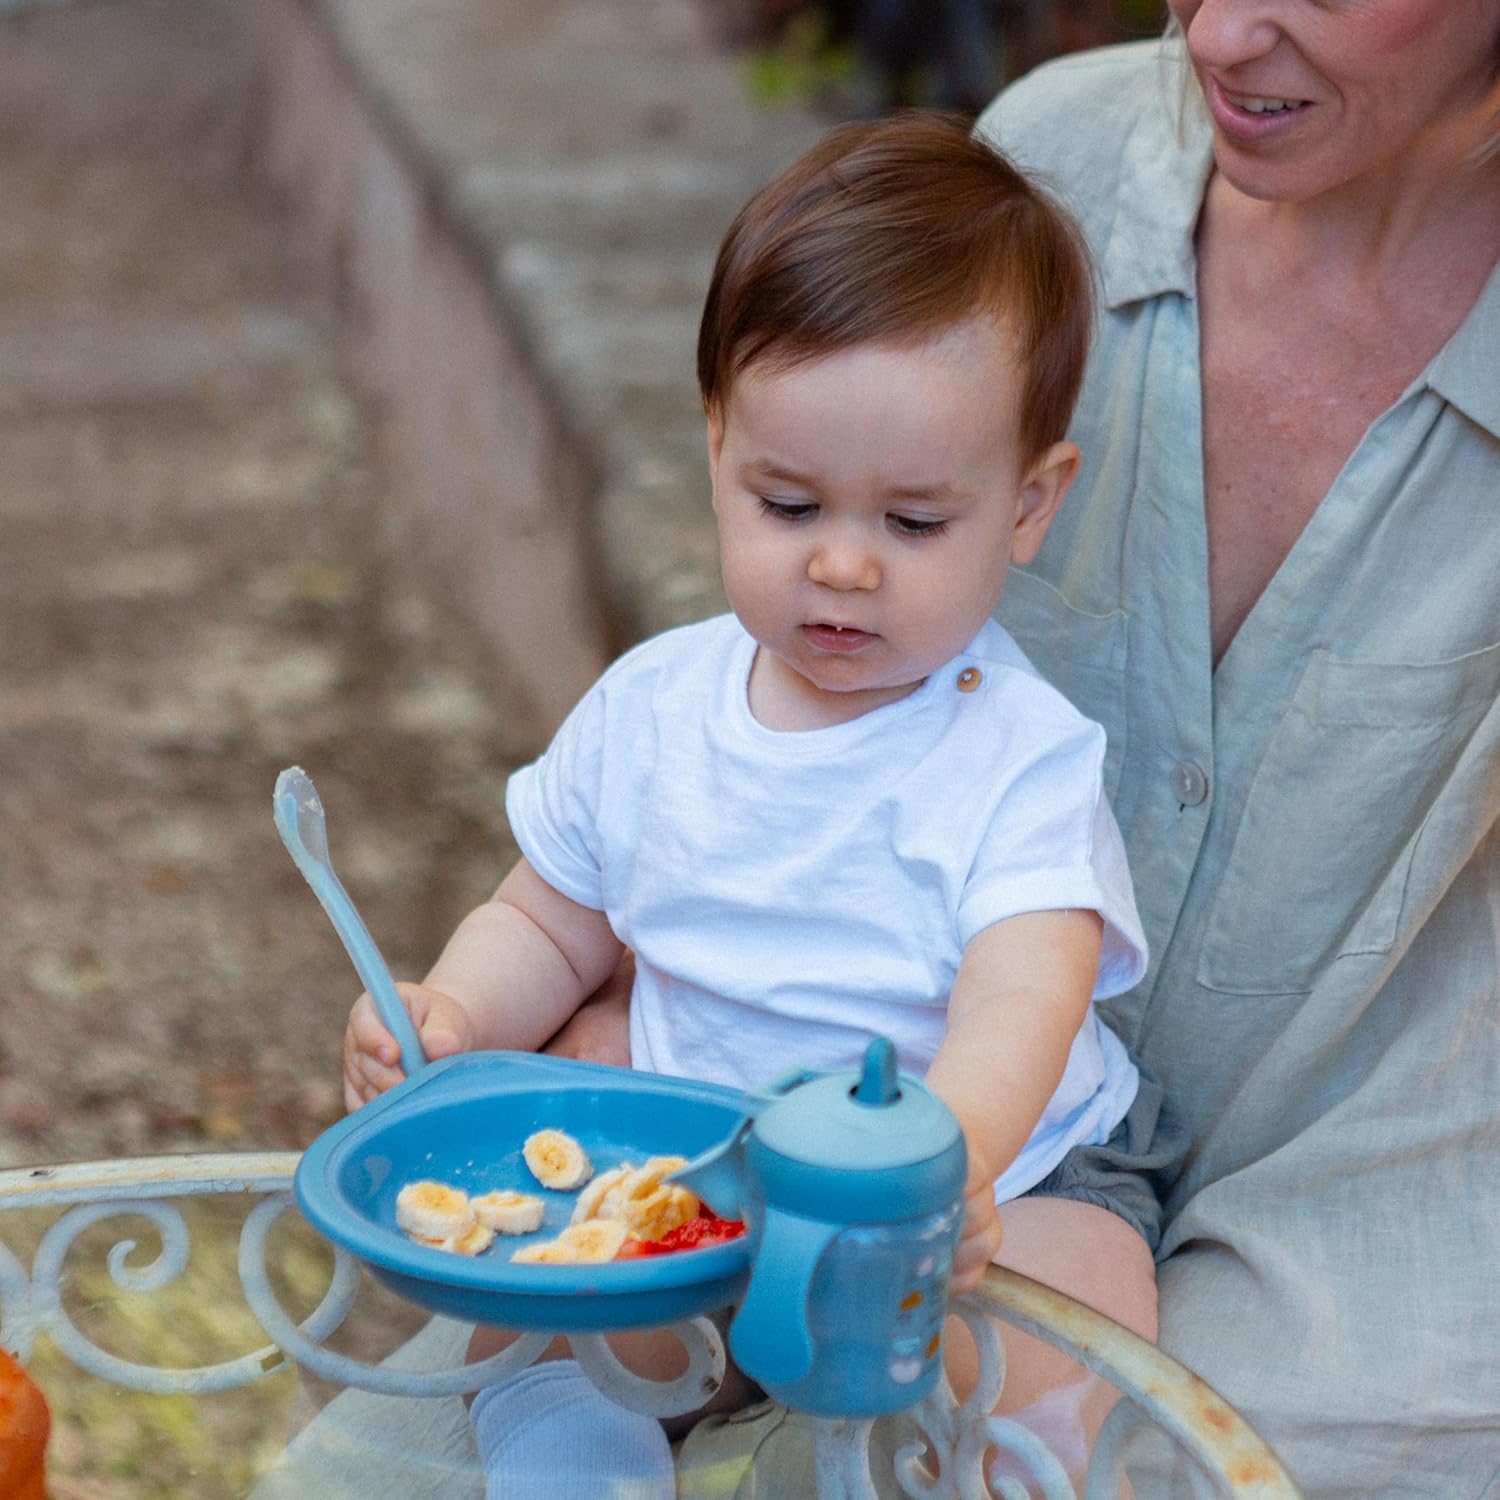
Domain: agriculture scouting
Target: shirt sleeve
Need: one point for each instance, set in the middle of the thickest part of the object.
(1052, 843)
(553, 805)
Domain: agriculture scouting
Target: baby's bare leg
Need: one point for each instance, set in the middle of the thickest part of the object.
(1093, 1256)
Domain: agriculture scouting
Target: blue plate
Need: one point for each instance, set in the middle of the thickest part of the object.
(462, 1121)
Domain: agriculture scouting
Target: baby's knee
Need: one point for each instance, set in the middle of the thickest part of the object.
(1085, 1251)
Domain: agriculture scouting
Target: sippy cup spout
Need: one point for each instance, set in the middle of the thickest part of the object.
(877, 1078)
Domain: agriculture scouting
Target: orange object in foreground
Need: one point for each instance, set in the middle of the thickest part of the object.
(25, 1424)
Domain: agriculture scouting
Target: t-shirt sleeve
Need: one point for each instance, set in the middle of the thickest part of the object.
(1052, 843)
(553, 805)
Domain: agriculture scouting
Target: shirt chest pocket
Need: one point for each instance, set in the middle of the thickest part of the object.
(1319, 861)
(1081, 654)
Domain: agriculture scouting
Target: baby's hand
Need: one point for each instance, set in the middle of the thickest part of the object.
(372, 1060)
(980, 1237)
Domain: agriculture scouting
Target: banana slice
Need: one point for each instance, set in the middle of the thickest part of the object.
(595, 1239)
(556, 1160)
(473, 1240)
(650, 1215)
(599, 1198)
(657, 1167)
(591, 1241)
(646, 1180)
(544, 1252)
(433, 1211)
(507, 1212)
(638, 1197)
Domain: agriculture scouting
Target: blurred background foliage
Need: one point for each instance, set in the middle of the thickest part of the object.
(861, 57)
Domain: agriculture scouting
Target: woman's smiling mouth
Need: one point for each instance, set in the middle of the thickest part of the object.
(1258, 105)
(1251, 117)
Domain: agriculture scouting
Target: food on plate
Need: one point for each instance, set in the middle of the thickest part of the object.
(591, 1241)
(697, 1233)
(432, 1213)
(475, 1239)
(429, 1210)
(508, 1212)
(639, 1198)
(556, 1160)
(653, 1214)
(622, 1213)
(597, 1198)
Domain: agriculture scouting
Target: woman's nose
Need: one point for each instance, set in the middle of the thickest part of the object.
(844, 564)
(1223, 33)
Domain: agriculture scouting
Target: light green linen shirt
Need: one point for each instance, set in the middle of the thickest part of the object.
(1314, 831)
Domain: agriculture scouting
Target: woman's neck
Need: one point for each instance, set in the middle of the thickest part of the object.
(1435, 212)
(1314, 317)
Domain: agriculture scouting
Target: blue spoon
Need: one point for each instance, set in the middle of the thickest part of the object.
(299, 820)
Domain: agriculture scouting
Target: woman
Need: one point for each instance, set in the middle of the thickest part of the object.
(1277, 584)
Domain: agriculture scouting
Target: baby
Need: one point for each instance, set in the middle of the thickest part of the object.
(850, 806)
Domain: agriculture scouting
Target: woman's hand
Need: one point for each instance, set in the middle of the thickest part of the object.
(599, 1030)
(372, 1059)
(980, 1237)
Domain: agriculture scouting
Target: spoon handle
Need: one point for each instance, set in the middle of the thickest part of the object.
(296, 804)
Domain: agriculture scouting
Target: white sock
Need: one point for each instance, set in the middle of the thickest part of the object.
(550, 1434)
(1056, 1417)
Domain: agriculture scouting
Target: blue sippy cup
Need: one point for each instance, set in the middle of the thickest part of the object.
(851, 1187)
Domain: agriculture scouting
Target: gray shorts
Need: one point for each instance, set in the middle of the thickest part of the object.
(1117, 1175)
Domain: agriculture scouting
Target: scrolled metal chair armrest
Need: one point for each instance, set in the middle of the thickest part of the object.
(1227, 1457)
(1158, 1389)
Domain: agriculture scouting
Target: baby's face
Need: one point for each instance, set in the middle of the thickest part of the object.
(868, 504)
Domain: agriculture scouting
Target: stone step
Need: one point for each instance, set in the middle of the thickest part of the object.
(526, 197)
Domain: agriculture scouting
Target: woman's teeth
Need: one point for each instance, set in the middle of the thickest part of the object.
(1266, 106)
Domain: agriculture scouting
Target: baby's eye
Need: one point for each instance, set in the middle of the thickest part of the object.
(916, 525)
(787, 510)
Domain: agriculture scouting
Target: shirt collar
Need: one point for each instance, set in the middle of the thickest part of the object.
(1466, 371)
(1149, 249)
(1163, 170)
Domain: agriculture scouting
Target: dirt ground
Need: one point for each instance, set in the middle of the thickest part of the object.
(193, 595)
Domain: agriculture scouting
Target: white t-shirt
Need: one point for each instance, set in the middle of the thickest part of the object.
(788, 895)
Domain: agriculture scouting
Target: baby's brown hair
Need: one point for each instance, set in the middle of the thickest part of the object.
(893, 231)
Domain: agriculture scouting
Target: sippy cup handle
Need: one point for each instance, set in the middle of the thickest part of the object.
(769, 1337)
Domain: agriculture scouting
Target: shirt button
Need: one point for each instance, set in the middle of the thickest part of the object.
(1189, 783)
(969, 679)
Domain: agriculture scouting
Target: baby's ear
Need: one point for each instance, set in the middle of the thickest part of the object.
(1042, 491)
(715, 441)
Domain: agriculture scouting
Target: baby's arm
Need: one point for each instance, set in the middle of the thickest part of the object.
(514, 970)
(1021, 994)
